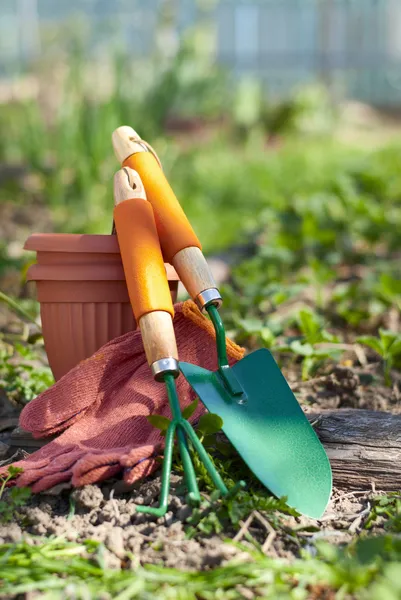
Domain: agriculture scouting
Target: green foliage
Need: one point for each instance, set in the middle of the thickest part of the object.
(388, 346)
(22, 373)
(222, 514)
(190, 409)
(159, 422)
(17, 308)
(209, 424)
(16, 497)
(367, 570)
(387, 508)
(313, 333)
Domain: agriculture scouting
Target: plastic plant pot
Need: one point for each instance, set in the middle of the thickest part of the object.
(82, 293)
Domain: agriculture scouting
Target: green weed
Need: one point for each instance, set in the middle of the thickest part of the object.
(57, 567)
(388, 346)
(23, 376)
(387, 508)
(16, 497)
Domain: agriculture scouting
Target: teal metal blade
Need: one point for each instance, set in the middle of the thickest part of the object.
(269, 430)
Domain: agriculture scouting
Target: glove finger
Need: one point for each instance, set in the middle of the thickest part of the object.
(49, 481)
(40, 459)
(141, 470)
(141, 461)
(95, 467)
(139, 453)
(58, 465)
(96, 475)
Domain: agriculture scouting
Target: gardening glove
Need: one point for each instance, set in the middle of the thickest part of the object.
(101, 406)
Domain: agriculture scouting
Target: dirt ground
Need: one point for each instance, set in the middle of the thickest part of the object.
(107, 514)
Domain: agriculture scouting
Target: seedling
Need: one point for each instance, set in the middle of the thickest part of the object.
(311, 326)
(388, 346)
(22, 380)
(17, 496)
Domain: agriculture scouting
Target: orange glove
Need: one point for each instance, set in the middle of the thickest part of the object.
(101, 406)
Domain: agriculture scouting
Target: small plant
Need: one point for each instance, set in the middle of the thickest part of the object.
(388, 346)
(17, 496)
(22, 380)
(386, 507)
(208, 423)
(389, 289)
(217, 514)
(307, 346)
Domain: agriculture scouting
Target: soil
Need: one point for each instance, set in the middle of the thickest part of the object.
(346, 387)
(107, 514)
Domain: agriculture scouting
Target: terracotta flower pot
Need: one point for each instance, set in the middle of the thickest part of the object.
(83, 297)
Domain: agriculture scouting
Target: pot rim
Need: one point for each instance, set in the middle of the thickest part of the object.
(77, 243)
(72, 242)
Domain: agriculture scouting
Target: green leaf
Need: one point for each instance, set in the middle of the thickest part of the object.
(190, 409)
(302, 349)
(267, 337)
(372, 342)
(159, 422)
(14, 471)
(210, 423)
(387, 339)
(309, 324)
(395, 348)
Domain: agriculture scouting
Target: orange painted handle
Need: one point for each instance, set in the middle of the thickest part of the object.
(143, 264)
(173, 227)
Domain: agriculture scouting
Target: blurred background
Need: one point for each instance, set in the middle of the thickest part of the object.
(277, 122)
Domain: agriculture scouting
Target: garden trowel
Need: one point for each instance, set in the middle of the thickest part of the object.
(261, 416)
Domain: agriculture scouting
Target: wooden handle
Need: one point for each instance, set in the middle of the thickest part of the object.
(141, 256)
(158, 336)
(127, 185)
(174, 229)
(193, 271)
(143, 266)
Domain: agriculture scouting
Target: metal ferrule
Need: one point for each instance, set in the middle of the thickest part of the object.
(207, 297)
(163, 366)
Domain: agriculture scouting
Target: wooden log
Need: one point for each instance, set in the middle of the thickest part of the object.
(364, 447)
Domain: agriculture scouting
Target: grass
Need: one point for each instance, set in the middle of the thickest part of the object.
(60, 569)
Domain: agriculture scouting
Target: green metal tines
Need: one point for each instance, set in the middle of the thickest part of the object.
(184, 432)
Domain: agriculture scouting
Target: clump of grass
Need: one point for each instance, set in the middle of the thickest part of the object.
(56, 568)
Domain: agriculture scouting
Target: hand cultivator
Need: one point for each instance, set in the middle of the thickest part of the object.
(151, 302)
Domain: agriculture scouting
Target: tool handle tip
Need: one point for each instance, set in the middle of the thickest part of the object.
(127, 185)
(126, 142)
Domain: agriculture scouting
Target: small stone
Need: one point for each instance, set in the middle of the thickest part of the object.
(71, 535)
(184, 513)
(175, 503)
(88, 497)
(115, 541)
(10, 533)
(168, 519)
(111, 560)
